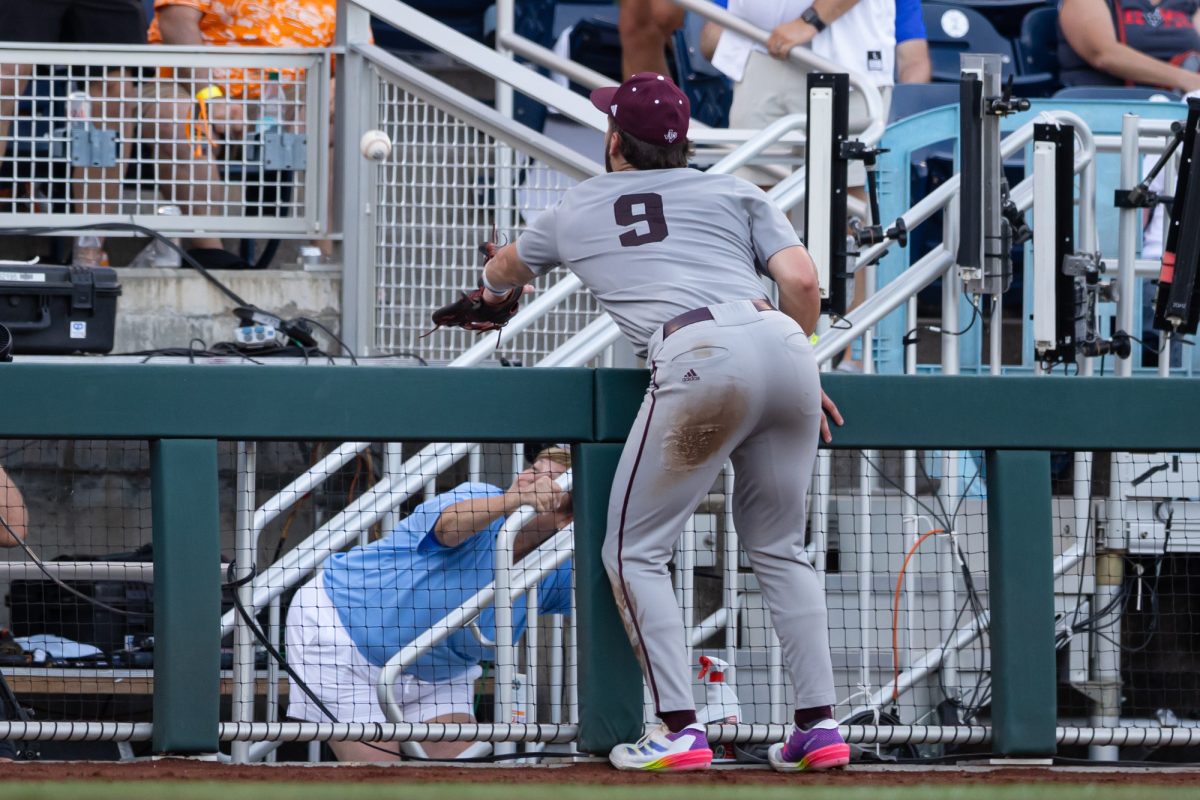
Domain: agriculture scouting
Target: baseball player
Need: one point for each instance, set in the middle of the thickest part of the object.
(675, 256)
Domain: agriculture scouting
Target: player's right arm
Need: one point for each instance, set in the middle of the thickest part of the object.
(519, 263)
(800, 298)
(799, 294)
(459, 522)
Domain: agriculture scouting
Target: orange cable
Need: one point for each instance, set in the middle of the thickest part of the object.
(896, 611)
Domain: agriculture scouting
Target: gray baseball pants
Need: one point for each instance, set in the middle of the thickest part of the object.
(743, 386)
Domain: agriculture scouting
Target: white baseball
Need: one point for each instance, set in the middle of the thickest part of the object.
(375, 145)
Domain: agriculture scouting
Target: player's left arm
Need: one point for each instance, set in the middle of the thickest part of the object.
(504, 272)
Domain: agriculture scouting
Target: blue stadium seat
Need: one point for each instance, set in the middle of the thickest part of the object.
(709, 91)
(1037, 45)
(913, 98)
(1115, 93)
(954, 30)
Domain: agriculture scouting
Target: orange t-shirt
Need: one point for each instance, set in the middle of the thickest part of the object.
(258, 23)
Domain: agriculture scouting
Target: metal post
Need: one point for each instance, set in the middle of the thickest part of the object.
(353, 178)
(609, 681)
(947, 595)
(187, 595)
(685, 568)
(1021, 586)
(246, 559)
(1128, 222)
(556, 669)
(910, 501)
(864, 553)
(730, 573)
(275, 629)
(505, 188)
(393, 468)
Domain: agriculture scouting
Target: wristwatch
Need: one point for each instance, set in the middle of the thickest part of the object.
(811, 16)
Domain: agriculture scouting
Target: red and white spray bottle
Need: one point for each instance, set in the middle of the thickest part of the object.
(721, 701)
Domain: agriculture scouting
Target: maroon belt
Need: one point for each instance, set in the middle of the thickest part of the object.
(703, 313)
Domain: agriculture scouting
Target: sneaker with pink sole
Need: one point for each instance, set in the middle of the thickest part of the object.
(661, 750)
(818, 747)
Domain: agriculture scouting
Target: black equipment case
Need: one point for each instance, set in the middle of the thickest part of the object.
(54, 310)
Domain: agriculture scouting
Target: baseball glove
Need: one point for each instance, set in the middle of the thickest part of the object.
(471, 313)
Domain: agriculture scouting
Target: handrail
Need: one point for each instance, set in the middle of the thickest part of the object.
(548, 556)
(488, 120)
(444, 38)
(506, 542)
(802, 56)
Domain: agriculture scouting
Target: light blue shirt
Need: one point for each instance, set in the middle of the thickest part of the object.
(390, 591)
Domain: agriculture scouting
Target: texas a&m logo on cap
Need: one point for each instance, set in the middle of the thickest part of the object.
(648, 106)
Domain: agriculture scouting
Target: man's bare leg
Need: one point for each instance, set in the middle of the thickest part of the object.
(188, 177)
(361, 751)
(14, 78)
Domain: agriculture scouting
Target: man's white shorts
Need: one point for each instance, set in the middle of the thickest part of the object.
(324, 657)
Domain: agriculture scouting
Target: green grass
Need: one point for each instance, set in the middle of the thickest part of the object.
(147, 790)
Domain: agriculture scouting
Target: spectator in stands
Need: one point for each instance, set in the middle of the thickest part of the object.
(1130, 42)
(645, 27)
(370, 602)
(857, 34)
(12, 532)
(96, 189)
(201, 107)
(913, 64)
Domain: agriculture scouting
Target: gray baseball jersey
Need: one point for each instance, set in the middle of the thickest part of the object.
(738, 382)
(652, 244)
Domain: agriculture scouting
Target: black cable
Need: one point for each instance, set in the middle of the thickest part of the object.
(398, 354)
(910, 338)
(38, 562)
(1157, 350)
(35, 230)
(334, 336)
(186, 258)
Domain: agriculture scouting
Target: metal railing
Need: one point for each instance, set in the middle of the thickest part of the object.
(112, 134)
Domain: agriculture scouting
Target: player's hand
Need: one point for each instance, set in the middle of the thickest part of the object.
(540, 492)
(829, 410)
(789, 35)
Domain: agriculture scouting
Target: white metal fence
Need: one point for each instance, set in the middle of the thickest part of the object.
(449, 186)
(102, 134)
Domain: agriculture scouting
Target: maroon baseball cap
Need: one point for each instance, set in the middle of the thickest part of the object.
(649, 106)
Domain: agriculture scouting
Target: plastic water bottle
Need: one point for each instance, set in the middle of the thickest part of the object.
(270, 115)
(721, 701)
(88, 252)
(79, 110)
(271, 104)
(165, 256)
(156, 253)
